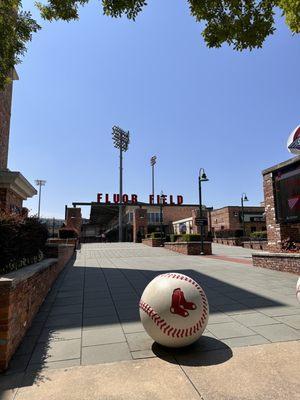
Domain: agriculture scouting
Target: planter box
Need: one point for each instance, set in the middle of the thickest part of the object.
(256, 245)
(152, 242)
(21, 294)
(287, 262)
(189, 248)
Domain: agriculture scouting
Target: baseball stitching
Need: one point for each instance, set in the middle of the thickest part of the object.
(162, 324)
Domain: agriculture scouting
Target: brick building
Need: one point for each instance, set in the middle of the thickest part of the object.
(14, 188)
(139, 219)
(282, 202)
(230, 218)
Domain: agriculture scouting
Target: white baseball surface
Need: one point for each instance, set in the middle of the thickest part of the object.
(174, 310)
(298, 290)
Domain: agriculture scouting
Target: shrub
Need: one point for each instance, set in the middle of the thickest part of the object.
(188, 237)
(258, 235)
(22, 241)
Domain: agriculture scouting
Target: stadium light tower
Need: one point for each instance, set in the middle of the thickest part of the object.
(152, 163)
(40, 183)
(121, 142)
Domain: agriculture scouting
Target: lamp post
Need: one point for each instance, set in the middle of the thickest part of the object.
(202, 178)
(40, 183)
(152, 163)
(121, 141)
(243, 198)
(161, 217)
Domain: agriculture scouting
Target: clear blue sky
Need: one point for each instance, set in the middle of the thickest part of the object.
(192, 106)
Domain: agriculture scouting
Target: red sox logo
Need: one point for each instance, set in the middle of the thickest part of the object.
(179, 304)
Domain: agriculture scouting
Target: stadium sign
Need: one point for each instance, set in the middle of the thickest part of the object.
(133, 199)
(293, 143)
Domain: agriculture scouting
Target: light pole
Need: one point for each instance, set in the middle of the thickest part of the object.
(40, 183)
(161, 216)
(121, 141)
(202, 178)
(243, 198)
(152, 163)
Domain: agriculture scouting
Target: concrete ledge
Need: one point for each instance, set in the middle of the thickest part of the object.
(21, 294)
(256, 244)
(287, 262)
(189, 248)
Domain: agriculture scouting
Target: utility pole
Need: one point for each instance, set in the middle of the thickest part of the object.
(121, 141)
(152, 163)
(40, 183)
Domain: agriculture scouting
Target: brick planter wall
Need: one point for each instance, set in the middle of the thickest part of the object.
(287, 262)
(21, 294)
(189, 248)
(256, 245)
(152, 242)
(228, 241)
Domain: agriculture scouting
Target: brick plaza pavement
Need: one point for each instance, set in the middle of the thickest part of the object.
(91, 315)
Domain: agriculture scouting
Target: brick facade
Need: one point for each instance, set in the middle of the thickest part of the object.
(10, 201)
(21, 294)
(278, 232)
(229, 218)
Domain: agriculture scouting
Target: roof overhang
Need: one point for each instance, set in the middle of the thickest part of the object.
(17, 183)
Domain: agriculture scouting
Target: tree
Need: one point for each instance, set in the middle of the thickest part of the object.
(243, 24)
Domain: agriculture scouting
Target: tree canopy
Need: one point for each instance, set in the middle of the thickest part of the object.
(242, 24)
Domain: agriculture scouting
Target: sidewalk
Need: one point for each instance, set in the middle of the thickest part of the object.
(266, 372)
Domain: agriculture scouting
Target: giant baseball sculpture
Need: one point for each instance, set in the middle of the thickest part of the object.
(174, 310)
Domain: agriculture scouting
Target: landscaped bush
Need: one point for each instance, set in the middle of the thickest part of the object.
(188, 237)
(175, 238)
(22, 242)
(259, 235)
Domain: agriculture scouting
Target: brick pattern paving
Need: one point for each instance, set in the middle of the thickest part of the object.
(91, 315)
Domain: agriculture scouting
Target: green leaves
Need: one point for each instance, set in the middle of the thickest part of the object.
(243, 24)
(16, 30)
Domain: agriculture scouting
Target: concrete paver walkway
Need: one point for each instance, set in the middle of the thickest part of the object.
(91, 315)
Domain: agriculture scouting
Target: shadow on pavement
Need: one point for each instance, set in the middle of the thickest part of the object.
(87, 297)
(204, 352)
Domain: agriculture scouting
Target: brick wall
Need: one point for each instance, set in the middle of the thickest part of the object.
(21, 294)
(176, 213)
(140, 223)
(278, 262)
(5, 111)
(189, 248)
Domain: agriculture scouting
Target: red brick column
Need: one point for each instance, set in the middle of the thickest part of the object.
(74, 219)
(5, 110)
(140, 222)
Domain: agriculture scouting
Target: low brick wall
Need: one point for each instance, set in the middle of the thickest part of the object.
(21, 294)
(189, 248)
(287, 262)
(228, 241)
(152, 242)
(256, 245)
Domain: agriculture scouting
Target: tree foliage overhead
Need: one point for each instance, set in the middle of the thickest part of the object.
(243, 24)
